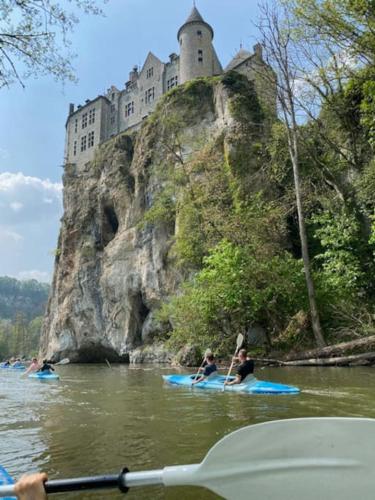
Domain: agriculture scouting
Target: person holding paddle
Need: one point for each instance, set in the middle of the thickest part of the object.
(208, 369)
(34, 367)
(245, 368)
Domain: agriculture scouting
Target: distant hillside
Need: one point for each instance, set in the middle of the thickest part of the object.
(26, 297)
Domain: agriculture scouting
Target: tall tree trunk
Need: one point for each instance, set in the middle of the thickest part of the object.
(315, 320)
(276, 33)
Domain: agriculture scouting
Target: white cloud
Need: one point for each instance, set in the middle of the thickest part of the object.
(24, 198)
(34, 274)
(7, 236)
(30, 209)
(16, 206)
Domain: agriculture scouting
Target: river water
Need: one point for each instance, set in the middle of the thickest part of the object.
(97, 420)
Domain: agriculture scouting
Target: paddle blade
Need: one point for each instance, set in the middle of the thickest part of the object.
(324, 458)
(64, 361)
(239, 341)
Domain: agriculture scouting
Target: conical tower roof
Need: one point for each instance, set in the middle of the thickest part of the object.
(195, 18)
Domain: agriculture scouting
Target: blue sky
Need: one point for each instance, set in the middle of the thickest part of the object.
(32, 120)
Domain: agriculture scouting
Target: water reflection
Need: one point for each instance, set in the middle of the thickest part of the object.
(97, 420)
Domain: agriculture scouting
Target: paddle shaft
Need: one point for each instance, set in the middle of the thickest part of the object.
(231, 365)
(239, 343)
(207, 352)
(122, 481)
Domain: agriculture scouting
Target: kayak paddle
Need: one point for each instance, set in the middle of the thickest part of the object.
(64, 361)
(303, 458)
(239, 343)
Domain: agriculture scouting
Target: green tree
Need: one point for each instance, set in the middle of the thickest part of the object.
(34, 38)
(348, 25)
(236, 288)
(276, 36)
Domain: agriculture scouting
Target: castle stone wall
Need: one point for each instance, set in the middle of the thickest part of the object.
(172, 74)
(150, 84)
(85, 130)
(196, 51)
(120, 110)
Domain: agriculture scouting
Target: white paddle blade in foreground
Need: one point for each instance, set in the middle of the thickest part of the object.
(308, 458)
(298, 459)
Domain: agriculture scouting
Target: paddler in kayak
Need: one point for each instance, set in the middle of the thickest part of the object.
(208, 369)
(34, 367)
(245, 368)
(46, 367)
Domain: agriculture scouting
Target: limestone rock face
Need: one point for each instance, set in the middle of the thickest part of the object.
(112, 271)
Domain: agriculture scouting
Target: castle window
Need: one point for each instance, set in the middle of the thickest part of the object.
(76, 125)
(150, 95)
(113, 97)
(129, 109)
(199, 33)
(150, 73)
(83, 143)
(91, 139)
(92, 116)
(75, 148)
(113, 119)
(173, 82)
(84, 120)
(200, 55)
(113, 108)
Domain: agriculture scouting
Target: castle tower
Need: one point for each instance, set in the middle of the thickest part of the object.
(197, 53)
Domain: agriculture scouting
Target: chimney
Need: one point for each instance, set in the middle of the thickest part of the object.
(71, 108)
(258, 50)
(133, 75)
(172, 57)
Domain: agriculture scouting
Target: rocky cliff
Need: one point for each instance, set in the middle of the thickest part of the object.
(113, 266)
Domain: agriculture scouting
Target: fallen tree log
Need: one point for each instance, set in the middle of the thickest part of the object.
(268, 361)
(367, 358)
(339, 349)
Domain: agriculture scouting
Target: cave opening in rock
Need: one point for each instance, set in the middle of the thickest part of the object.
(140, 313)
(109, 224)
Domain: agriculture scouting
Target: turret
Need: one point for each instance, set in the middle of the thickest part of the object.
(197, 54)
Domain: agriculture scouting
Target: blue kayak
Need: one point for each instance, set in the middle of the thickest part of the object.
(12, 367)
(5, 479)
(46, 375)
(216, 382)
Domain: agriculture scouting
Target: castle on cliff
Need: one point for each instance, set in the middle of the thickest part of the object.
(119, 110)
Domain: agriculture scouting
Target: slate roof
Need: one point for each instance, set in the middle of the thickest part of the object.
(195, 17)
(238, 59)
